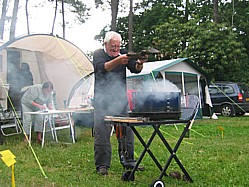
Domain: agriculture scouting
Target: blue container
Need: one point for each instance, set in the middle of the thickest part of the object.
(156, 105)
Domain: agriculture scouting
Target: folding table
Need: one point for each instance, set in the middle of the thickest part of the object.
(48, 118)
(134, 122)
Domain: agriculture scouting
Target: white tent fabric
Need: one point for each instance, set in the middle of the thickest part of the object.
(50, 58)
(82, 93)
(155, 66)
(208, 98)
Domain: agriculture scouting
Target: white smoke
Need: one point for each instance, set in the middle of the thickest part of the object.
(160, 86)
(156, 95)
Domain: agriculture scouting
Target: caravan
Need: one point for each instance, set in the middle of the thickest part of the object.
(172, 75)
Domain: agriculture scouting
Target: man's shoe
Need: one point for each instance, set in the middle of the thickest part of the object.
(139, 168)
(102, 170)
(131, 165)
(39, 141)
(39, 137)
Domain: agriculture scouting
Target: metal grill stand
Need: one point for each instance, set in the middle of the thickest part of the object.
(133, 122)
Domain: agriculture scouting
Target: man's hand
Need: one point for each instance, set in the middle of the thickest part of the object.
(41, 107)
(143, 59)
(123, 59)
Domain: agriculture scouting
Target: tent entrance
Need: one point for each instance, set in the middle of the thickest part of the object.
(13, 69)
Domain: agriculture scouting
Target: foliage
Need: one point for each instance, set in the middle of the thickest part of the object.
(146, 23)
(209, 159)
(116, 6)
(77, 7)
(237, 17)
(221, 49)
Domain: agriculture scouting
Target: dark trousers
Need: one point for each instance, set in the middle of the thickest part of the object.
(102, 145)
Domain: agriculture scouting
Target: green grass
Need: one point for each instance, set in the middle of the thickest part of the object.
(209, 159)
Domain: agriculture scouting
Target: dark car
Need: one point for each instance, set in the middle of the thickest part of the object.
(229, 98)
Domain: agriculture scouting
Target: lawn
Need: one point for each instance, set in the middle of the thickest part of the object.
(210, 158)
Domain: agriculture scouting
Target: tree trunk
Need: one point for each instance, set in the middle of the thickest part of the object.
(186, 11)
(55, 13)
(114, 9)
(2, 20)
(27, 16)
(216, 16)
(13, 20)
(185, 21)
(131, 26)
(63, 18)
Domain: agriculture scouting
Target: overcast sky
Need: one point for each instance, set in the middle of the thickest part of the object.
(41, 20)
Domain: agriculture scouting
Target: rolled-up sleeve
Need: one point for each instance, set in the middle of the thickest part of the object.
(132, 66)
(30, 95)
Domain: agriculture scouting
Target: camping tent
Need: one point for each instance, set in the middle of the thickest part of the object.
(182, 73)
(49, 58)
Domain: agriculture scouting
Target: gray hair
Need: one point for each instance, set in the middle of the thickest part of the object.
(110, 35)
(48, 84)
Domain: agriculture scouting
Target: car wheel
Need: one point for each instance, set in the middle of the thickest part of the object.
(227, 110)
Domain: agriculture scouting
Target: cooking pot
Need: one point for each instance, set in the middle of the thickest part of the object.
(156, 105)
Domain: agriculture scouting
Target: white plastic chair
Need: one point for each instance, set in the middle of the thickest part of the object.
(190, 111)
(8, 120)
(191, 108)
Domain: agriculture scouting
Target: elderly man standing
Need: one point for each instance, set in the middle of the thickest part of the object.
(110, 98)
(37, 97)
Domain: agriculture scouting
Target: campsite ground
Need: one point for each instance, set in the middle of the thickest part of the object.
(212, 159)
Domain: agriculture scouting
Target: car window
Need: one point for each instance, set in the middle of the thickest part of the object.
(228, 90)
(214, 90)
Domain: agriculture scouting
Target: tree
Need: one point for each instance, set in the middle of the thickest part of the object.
(215, 46)
(114, 8)
(154, 14)
(63, 18)
(216, 15)
(75, 6)
(130, 26)
(3, 16)
(55, 14)
(13, 20)
(236, 15)
(114, 5)
(27, 16)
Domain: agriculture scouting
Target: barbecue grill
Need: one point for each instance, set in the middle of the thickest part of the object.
(133, 122)
(156, 105)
